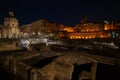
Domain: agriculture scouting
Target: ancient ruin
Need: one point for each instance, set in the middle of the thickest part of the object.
(51, 65)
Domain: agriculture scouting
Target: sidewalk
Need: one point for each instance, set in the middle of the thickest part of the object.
(9, 47)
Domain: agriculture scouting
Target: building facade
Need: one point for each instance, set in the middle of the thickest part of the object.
(25, 30)
(10, 27)
(90, 31)
(42, 26)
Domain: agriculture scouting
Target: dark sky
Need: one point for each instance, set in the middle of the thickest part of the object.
(68, 12)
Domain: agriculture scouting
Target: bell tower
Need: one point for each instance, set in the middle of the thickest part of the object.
(84, 20)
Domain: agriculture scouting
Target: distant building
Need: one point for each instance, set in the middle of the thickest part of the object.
(25, 30)
(90, 30)
(10, 27)
(83, 30)
(42, 26)
(38, 28)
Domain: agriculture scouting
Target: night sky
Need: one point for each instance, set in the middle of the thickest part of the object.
(67, 12)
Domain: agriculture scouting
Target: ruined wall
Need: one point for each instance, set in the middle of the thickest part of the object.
(61, 68)
(13, 64)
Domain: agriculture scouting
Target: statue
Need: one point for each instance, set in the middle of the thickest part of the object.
(11, 14)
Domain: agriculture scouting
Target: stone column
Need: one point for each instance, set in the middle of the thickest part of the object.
(14, 67)
(33, 75)
(93, 71)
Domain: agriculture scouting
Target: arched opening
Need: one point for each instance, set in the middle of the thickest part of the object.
(78, 69)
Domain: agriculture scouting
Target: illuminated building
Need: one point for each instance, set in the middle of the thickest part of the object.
(10, 27)
(90, 31)
(37, 28)
(42, 26)
(83, 30)
(25, 30)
